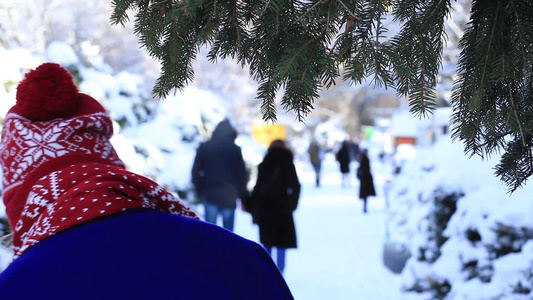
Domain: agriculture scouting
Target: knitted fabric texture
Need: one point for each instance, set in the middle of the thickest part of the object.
(62, 172)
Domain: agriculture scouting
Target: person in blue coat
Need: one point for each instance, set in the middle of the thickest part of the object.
(84, 227)
(219, 175)
(144, 254)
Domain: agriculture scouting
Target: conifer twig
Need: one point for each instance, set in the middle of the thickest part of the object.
(516, 116)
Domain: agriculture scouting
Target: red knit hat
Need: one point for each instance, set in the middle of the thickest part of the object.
(56, 153)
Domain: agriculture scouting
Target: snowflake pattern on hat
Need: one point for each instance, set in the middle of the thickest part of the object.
(30, 150)
(26, 145)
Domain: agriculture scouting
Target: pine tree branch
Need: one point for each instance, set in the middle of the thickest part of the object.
(119, 14)
(296, 47)
(348, 10)
(514, 111)
(299, 19)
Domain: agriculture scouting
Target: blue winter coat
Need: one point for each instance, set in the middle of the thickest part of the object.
(218, 172)
(144, 254)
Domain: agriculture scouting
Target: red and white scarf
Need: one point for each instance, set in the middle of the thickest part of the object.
(84, 192)
(64, 172)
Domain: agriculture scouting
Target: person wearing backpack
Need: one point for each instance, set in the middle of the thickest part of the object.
(274, 199)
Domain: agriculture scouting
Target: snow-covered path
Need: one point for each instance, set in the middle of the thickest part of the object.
(339, 254)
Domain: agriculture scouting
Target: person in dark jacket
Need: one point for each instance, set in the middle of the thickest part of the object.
(274, 198)
(355, 151)
(219, 175)
(84, 227)
(343, 157)
(366, 187)
(315, 157)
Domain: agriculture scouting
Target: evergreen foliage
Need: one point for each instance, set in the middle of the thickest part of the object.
(492, 99)
(297, 46)
(445, 205)
(300, 47)
(509, 240)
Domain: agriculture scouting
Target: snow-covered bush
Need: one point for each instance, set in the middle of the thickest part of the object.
(470, 239)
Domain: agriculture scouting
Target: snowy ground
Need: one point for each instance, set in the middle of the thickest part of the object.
(339, 254)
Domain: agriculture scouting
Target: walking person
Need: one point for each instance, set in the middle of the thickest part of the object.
(84, 227)
(274, 199)
(355, 151)
(315, 157)
(219, 175)
(344, 159)
(366, 187)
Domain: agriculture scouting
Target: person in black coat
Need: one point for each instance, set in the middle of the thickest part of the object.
(366, 188)
(219, 175)
(343, 157)
(274, 199)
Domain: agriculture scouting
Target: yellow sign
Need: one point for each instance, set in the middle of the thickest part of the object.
(266, 133)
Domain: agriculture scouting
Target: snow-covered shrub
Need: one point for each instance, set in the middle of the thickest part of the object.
(439, 206)
(470, 239)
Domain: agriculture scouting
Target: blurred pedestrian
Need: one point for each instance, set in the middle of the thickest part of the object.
(219, 175)
(355, 151)
(343, 157)
(316, 154)
(366, 187)
(84, 227)
(275, 197)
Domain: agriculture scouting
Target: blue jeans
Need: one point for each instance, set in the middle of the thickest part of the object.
(280, 259)
(317, 168)
(212, 211)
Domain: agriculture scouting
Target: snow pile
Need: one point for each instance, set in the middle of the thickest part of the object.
(468, 236)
